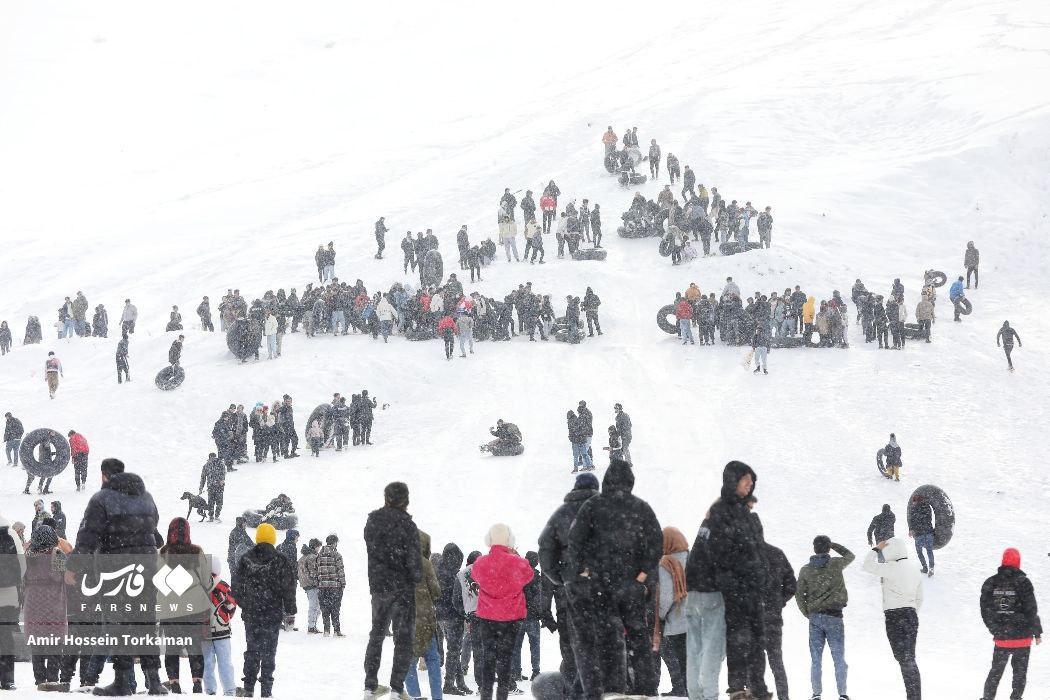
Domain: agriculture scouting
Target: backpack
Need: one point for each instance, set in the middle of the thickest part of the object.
(10, 572)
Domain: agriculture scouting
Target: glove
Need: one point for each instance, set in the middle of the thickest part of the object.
(549, 622)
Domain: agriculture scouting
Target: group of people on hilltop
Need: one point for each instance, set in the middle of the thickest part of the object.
(272, 430)
(761, 319)
(624, 593)
(571, 227)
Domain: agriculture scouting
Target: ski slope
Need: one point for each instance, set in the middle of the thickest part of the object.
(164, 154)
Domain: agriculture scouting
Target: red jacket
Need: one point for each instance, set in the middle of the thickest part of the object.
(684, 310)
(501, 576)
(447, 323)
(78, 445)
(548, 203)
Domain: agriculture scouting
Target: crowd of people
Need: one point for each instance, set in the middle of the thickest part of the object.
(624, 593)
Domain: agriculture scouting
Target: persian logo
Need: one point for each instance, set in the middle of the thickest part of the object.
(172, 581)
(129, 578)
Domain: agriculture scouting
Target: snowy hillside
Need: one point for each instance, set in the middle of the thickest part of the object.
(166, 154)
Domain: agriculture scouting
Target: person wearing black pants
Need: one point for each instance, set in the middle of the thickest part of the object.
(596, 226)
(654, 159)
(213, 475)
(780, 588)
(1007, 335)
(902, 628)
(1011, 614)
(497, 644)
(394, 569)
(901, 596)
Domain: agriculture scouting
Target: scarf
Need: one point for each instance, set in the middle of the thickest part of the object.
(674, 543)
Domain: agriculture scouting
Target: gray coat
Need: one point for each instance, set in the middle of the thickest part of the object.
(9, 594)
(673, 616)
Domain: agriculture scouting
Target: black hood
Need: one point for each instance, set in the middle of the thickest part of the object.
(126, 483)
(733, 472)
(619, 478)
(579, 495)
(451, 557)
(885, 507)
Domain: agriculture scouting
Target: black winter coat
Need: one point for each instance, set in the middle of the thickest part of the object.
(780, 583)
(882, 526)
(392, 542)
(213, 475)
(588, 421)
(1008, 606)
(175, 353)
(920, 518)
(616, 534)
(736, 542)
(700, 567)
(263, 585)
(577, 430)
(120, 519)
(13, 429)
(623, 425)
(554, 540)
(450, 605)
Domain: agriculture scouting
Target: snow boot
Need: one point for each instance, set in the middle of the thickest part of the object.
(461, 684)
(153, 682)
(118, 688)
(450, 688)
(53, 687)
(197, 688)
(379, 692)
(173, 687)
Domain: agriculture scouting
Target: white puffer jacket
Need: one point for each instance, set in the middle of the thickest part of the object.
(901, 579)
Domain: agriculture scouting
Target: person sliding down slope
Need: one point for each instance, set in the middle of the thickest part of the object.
(507, 435)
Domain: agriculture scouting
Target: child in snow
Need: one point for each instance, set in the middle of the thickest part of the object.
(216, 646)
(615, 448)
(314, 435)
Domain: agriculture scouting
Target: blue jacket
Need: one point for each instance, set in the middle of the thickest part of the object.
(956, 290)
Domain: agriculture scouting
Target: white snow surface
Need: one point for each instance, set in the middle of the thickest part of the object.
(165, 153)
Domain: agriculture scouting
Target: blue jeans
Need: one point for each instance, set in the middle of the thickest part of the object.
(579, 452)
(68, 330)
(466, 340)
(386, 327)
(686, 326)
(271, 346)
(705, 644)
(530, 629)
(924, 542)
(314, 609)
(433, 659)
(327, 273)
(831, 629)
(218, 652)
(11, 449)
(338, 319)
(787, 327)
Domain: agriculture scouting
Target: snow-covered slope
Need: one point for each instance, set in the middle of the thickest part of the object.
(169, 154)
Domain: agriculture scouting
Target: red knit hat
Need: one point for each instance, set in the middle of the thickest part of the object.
(1012, 558)
(179, 531)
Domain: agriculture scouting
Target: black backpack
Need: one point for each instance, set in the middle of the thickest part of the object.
(10, 572)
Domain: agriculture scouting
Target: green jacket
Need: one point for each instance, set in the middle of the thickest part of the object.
(820, 584)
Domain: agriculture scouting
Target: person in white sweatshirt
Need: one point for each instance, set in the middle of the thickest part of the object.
(270, 331)
(901, 599)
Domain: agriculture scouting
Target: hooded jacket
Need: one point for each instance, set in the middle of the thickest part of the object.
(780, 583)
(920, 517)
(13, 429)
(264, 586)
(392, 542)
(882, 525)
(307, 567)
(736, 542)
(700, 568)
(554, 540)
(330, 572)
(616, 535)
(821, 588)
(1008, 605)
(901, 580)
(450, 605)
(427, 593)
(501, 576)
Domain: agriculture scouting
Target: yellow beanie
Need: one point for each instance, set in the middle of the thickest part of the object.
(265, 533)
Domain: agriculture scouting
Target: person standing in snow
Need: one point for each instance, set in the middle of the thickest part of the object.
(761, 343)
(610, 139)
(673, 170)
(654, 159)
(263, 584)
(780, 588)
(901, 599)
(213, 475)
(204, 313)
(688, 182)
(175, 351)
(736, 546)
(78, 452)
(5, 338)
(921, 528)
(956, 295)
(882, 526)
(971, 260)
(331, 581)
(924, 315)
(501, 577)
(596, 226)
(590, 305)
(409, 249)
(1010, 612)
(615, 544)
(450, 618)
(705, 619)
(1007, 335)
(821, 596)
(765, 227)
(465, 329)
(270, 331)
(624, 428)
(463, 243)
(671, 608)
(578, 441)
(892, 455)
(381, 231)
(13, 432)
(392, 542)
(447, 329)
(52, 371)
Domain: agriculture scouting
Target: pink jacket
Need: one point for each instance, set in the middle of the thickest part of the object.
(501, 576)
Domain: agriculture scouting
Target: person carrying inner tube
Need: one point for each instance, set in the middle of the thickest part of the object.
(956, 294)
